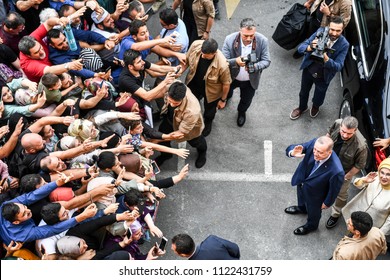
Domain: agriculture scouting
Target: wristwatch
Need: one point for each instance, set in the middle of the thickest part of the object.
(66, 66)
(223, 100)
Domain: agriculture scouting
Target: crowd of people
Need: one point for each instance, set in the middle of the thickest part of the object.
(83, 136)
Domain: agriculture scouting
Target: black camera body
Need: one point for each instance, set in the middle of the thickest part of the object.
(250, 61)
(318, 54)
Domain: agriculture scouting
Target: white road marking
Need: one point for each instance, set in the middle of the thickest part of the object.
(267, 157)
(204, 175)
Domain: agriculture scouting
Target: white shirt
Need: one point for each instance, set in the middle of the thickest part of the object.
(243, 75)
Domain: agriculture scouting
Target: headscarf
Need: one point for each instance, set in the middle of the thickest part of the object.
(385, 164)
(135, 226)
(69, 246)
(82, 129)
(128, 106)
(23, 96)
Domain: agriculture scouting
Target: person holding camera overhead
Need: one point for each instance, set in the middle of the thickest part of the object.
(247, 53)
(325, 52)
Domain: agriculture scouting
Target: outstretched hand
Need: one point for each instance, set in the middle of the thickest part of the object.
(298, 151)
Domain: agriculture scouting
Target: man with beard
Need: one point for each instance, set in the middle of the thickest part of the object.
(104, 25)
(351, 148)
(320, 73)
(60, 51)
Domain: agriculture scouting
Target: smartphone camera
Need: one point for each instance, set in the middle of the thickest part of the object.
(156, 169)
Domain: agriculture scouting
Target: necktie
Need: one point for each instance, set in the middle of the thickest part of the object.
(316, 164)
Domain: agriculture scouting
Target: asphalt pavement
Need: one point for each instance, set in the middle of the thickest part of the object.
(242, 191)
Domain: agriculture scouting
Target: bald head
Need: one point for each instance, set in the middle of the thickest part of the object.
(32, 143)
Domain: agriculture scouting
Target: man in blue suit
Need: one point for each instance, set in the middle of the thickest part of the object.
(320, 72)
(212, 248)
(318, 178)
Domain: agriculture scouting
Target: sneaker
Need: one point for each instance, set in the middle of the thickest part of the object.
(157, 5)
(314, 111)
(296, 113)
(332, 222)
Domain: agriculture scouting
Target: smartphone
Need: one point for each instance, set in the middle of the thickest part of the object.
(148, 12)
(101, 84)
(156, 169)
(129, 233)
(107, 69)
(163, 243)
(141, 206)
(177, 70)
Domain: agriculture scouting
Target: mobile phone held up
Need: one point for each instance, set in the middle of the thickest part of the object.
(141, 206)
(163, 243)
(156, 169)
(129, 233)
(149, 12)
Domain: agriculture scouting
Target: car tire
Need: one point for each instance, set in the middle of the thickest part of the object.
(346, 107)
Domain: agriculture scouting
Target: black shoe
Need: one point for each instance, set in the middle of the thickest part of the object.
(162, 158)
(201, 160)
(241, 119)
(207, 129)
(302, 230)
(293, 210)
(297, 54)
(332, 222)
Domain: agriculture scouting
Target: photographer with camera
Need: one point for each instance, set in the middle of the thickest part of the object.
(247, 54)
(325, 52)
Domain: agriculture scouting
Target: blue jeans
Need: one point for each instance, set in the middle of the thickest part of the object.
(319, 91)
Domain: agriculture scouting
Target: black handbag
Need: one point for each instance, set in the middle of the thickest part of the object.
(292, 29)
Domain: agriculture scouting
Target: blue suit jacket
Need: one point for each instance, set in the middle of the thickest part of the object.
(336, 61)
(325, 183)
(216, 248)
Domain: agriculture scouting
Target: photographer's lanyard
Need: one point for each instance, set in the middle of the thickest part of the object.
(243, 75)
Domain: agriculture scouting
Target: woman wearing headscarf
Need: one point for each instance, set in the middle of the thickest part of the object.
(374, 198)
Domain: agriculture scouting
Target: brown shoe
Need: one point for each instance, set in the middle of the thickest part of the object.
(314, 111)
(296, 113)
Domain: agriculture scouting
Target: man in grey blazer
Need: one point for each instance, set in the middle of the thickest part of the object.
(247, 53)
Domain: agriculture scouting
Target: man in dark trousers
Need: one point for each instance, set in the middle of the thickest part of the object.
(212, 248)
(320, 71)
(318, 178)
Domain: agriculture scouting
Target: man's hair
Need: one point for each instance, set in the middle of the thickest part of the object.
(169, 16)
(135, 5)
(13, 20)
(326, 140)
(26, 43)
(350, 122)
(49, 213)
(132, 197)
(49, 80)
(64, 8)
(209, 46)
(44, 164)
(29, 182)
(53, 33)
(177, 91)
(133, 124)
(10, 210)
(248, 23)
(129, 56)
(135, 25)
(105, 160)
(337, 20)
(362, 222)
(184, 244)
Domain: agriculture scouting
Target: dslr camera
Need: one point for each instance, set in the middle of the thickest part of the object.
(250, 61)
(322, 46)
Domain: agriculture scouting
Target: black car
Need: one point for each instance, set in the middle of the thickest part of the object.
(366, 74)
